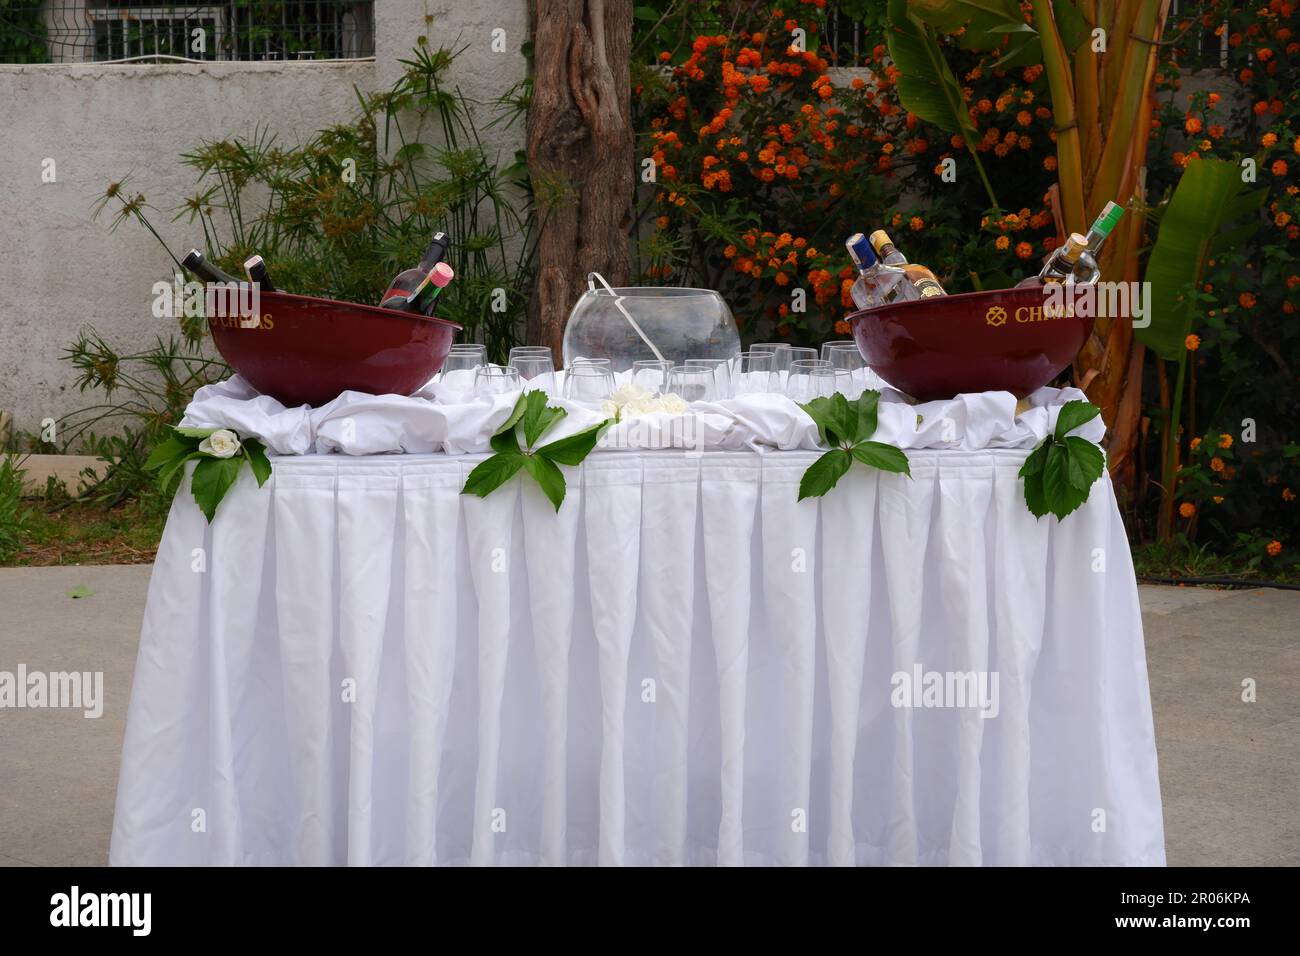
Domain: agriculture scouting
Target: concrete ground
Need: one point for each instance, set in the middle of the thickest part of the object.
(1229, 770)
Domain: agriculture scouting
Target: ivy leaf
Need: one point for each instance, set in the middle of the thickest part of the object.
(1086, 462)
(538, 416)
(823, 474)
(212, 479)
(515, 414)
(546, 474)
(491, 473)
(867, 407)
(572, 450)
(255, 452)
(199, 433)
(1037, 459)
(882, 456)
(1073, 414)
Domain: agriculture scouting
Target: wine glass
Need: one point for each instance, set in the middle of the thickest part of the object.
(651, 374)
(752, 373)
(536, 368)
(721, 369)
(496, 380)
(694, 383)
(589, 382)
(828, 347)
(809, 379)
(459, 366)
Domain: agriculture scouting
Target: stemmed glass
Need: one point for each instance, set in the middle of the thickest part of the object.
(694, 383)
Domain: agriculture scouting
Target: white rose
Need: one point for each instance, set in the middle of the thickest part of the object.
(673, 404)
(222, 443)
(630, 392)
(643, 406)
(609, 409)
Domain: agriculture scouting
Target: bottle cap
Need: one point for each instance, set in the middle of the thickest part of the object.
(441, 274)
(880, 239)
(860, 251)
(1074, 245)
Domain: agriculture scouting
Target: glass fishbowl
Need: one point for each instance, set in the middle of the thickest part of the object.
(620, 324)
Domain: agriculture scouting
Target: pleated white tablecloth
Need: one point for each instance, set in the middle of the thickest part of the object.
(685, 665)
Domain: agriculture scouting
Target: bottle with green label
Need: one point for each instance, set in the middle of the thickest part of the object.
(1086, 270)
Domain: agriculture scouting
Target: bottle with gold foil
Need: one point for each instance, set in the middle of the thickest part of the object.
(1061, 264)
(921, 282)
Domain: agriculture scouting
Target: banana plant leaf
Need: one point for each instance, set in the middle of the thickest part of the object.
(1209, 196)
(989, 24)
(926, 85)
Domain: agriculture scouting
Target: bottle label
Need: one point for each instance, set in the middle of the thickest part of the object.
(928, 287)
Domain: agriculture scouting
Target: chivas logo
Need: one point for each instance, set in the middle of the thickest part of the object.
(996, 315)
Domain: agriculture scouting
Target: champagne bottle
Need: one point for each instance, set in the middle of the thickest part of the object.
(255, 267)
(204, 269)
(921, 282)
(426, 293)
(406, 282)
(877, 284)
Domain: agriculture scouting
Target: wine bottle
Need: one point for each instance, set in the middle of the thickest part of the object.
(426, 293)
(877, 283)
(1061, 264)
(255, 267)
(921, 282)
(406, 282)
(204, 269)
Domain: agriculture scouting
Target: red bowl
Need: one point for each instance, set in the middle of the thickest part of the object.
(1002, 340)
(305, 351)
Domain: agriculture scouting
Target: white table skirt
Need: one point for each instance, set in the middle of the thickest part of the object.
(358, 665)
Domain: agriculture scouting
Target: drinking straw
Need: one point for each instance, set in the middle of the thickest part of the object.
(618, 304)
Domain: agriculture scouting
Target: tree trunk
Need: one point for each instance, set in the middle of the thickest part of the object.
(580, 160)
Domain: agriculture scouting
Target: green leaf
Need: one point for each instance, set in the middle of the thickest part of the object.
(572, 450)
(199, 433)
(538, 416)
(1087, 462)
(867, 407)
(1209, 195)
(823, 474)
(212, 479)
(166, 452)
(491, 473)
(836, 419)
(1060, 495)
(926, 85)
(503, 443)
(255, 452)
(515, 414)
(1035, 496)
(1038, 457)
(1073, 414)
(986, 22)
(882, 456)
(546, 474)
(79, 591)
(165, 475)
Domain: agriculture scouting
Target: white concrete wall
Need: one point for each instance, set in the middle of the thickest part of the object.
(60, 270)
